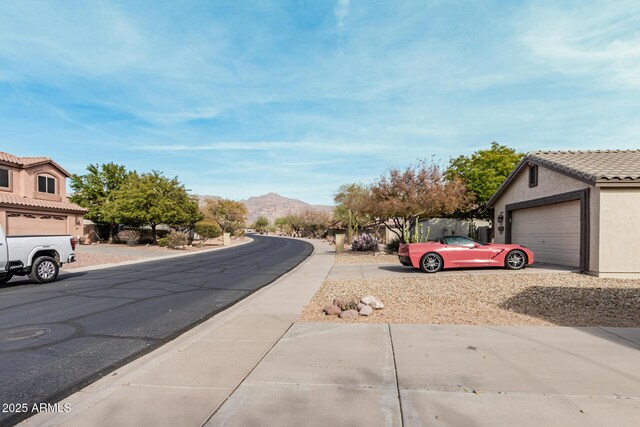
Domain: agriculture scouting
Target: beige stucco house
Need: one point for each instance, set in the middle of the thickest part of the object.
(33, 198)
(574, 208)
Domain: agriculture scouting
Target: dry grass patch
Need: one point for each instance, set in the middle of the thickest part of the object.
(531, 299)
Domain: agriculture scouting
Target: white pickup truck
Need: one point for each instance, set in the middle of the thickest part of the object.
(39, 257)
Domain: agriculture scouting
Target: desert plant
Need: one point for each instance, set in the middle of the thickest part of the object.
(130, 237)
(364, 242)
(394, 245)
(207, 230)
(174, 240)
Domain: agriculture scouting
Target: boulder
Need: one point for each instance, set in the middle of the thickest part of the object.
(346, 304)
(349, 315)
(332, 310)
(360, 305)
(366, 310)
(372, 301)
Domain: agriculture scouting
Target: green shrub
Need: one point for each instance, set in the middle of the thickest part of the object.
(174, 240)
(207, 230)
(393, 245)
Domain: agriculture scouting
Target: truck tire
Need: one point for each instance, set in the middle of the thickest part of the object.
(44, 270)
(5, 277)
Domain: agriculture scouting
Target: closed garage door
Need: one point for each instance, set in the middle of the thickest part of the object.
(22, 224)
(552, 232)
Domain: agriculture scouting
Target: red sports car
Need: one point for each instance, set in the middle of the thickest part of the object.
(463, 252)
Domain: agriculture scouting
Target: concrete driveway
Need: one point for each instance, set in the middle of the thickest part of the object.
(255, 365)
(362, 271)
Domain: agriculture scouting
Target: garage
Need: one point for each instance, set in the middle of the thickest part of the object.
(552, 232)
(22, 224)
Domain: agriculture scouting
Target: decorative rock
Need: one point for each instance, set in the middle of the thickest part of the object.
(332, 310)
(372, 301)
(349, 315)
(366, 310)
(346, 304)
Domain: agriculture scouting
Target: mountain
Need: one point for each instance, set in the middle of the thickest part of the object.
(273, 206)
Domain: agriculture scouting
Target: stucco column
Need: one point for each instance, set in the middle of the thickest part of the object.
(339, 242)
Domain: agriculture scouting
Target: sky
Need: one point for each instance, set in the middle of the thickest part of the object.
(241, 98)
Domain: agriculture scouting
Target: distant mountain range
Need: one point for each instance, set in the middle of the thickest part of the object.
(273, 205)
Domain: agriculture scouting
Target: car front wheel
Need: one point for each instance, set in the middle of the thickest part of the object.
(515, 260)
(44, 270)
(431, 263)
(5, 277)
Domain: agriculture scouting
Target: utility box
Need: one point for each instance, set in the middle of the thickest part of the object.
(226, 239)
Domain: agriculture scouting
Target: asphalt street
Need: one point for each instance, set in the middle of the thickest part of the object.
(59, 337)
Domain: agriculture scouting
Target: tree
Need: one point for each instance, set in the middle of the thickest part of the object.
(207, 230)
(95, 189)
(261, 224)
(228, 214)
(352, 203)
(417, 193)
(308, 223)
(483, 172)
(152, 199)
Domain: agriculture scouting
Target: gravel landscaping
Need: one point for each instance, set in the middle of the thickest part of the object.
(366, 258)
(535, 299)
(87, 259)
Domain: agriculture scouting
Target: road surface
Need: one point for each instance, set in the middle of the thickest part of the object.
(57, 338)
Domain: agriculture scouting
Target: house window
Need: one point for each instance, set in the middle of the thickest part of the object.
(4, 178)
(533, 175)
(46, 184)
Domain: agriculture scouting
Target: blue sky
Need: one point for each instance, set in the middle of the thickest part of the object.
(240, 98)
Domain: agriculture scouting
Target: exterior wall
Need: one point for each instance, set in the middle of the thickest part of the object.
(550, 183)
(619, 242)
(23, 182)
(28, 183)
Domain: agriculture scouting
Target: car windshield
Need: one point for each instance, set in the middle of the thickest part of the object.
(461, 241)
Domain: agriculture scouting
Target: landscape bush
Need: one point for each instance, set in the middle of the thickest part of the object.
(130, 237)
(174, 240)
(207, 230)
(146, 236)
(394, 245)
(364, 242)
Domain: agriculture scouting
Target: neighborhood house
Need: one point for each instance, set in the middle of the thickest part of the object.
(33, 198)
(574, 208)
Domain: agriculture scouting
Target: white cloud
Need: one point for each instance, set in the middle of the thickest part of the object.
(596, 40)
(341, 11)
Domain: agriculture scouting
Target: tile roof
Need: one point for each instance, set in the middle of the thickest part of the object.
(12, 199)
(29, 161)
(594, 167)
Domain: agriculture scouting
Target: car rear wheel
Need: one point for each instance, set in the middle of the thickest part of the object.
(5, 277)
(431, 263)
(515, 260)
(44, 270)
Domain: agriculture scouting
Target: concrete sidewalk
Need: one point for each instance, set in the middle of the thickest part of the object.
(252, 365)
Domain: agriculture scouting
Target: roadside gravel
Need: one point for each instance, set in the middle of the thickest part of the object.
(88, 259)
(366, 258)
(536, 299)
